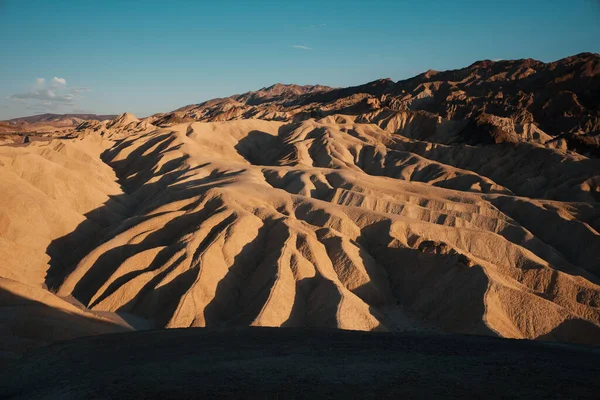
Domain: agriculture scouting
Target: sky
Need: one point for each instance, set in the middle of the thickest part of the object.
(108, 57)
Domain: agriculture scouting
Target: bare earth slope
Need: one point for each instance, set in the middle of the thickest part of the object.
(364, 208)
(48, 122)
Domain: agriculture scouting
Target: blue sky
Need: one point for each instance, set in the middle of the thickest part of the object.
(154, 56)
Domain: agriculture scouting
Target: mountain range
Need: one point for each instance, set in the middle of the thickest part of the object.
(464, 202)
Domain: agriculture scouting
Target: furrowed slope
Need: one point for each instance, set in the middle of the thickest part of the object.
(48, 191)
(462, 201)
(324, 224)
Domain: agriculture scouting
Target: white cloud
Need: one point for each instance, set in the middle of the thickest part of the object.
(58, 81)
(301, 47)
(43, 95)
(43, 100)
(49, 95)
(316, 26)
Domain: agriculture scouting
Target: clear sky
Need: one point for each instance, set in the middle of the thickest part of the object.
(156, 56)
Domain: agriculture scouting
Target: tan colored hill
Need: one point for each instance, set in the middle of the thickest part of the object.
(45, 123)
(373, 219)
(279, 93)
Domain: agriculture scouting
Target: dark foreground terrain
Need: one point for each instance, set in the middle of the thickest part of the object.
(301, 363)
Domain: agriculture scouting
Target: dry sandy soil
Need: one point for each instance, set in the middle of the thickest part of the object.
(444, 203)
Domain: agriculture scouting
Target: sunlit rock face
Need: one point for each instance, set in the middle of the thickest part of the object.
(460, 201)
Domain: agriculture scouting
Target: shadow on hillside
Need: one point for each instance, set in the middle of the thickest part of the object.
(434, 287)
(150, 301)
(27, 324)
(440, 289)
(259, 148)
(68, 251)
(575, 331)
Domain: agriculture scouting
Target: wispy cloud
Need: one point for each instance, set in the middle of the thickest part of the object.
(48, 95)
(58, 82)
(81, 90)
(43, 95)
(82, 111)
(316, 26)
(42, 107)
(301, 47)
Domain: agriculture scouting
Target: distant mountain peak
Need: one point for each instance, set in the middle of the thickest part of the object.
(278, 91)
